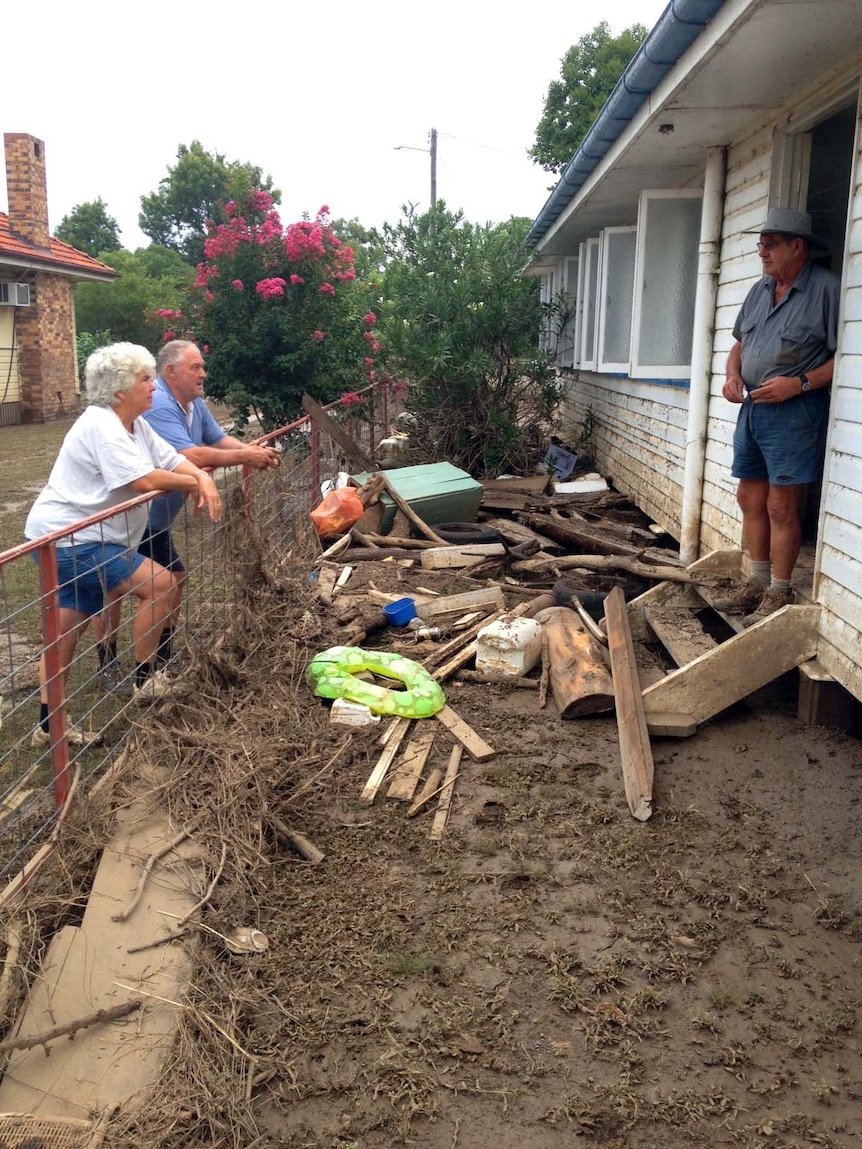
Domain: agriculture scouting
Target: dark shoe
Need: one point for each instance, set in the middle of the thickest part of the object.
(773, 599)
(743, 598)
(113, 681)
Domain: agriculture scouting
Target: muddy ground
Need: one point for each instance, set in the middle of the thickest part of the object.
(553, 972)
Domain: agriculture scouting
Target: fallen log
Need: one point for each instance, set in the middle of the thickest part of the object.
(580, 680)
(374, 554)
(581, 535)
(540, 564)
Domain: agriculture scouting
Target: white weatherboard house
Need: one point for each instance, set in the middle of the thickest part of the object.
(729, 108)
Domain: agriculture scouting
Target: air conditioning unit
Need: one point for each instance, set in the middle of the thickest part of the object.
(15, 294)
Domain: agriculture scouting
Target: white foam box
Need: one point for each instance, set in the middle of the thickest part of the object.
(511, 645)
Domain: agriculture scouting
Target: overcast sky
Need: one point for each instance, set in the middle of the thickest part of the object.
(319, 97)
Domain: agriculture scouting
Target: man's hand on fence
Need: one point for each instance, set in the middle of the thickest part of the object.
(261, 458)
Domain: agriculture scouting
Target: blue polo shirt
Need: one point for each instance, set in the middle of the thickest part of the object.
(182, 428)
(801, 333)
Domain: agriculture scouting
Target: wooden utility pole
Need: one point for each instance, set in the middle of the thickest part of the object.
(433, 150)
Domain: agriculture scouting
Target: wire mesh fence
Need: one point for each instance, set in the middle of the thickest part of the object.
(62, 724)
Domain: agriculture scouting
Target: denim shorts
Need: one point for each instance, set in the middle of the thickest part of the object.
(782, 442)
(87, 571)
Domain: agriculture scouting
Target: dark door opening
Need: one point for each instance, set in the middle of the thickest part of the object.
(829, 182)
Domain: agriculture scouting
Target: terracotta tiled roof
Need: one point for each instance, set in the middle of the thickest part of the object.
(58, 256)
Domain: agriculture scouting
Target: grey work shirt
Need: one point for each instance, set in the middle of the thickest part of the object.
(801, 333)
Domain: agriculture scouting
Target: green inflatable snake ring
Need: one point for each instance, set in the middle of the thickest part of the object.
(333, 672)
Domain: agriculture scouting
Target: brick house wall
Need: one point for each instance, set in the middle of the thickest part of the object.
(46, 351)
(44, 331)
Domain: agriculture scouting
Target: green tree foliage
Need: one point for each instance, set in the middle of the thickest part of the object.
(461, 328)
(279, 311)
(123, 309)
(90, 229)
(193, 194)
(590, 70)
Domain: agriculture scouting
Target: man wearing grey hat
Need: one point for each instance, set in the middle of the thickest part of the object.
(779, 370)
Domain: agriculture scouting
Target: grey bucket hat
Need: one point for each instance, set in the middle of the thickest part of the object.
(786, 221)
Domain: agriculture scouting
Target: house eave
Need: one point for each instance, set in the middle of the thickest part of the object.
(741, 71)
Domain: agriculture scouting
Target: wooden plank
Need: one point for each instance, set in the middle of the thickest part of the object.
(529, 484)
(447, 558)
(405, 777)
(378, 774)
(431, 787)
(635, 750)
(490, 597)
(739, 666)
(679, 632)
(476, 746)
(445, 804)
(98, 965)
(335, 431)
(326, 580)
(456, 661)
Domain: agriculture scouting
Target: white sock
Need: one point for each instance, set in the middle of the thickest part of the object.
(761, 571)
(780, 584)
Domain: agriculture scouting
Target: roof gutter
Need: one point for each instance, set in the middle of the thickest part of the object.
(678, 27)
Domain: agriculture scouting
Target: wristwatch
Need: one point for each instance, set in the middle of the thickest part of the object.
(806, 383)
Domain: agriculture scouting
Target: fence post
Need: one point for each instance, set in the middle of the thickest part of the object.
(315, 463)
(49, 605)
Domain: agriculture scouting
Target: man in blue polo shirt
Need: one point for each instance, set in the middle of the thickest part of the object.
(779, 370)
(180, 415)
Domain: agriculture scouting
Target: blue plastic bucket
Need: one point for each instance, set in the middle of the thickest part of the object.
(400, 612)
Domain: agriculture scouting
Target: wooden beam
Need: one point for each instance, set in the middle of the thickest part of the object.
(449, 556)
(456, 604)
(476, 747)
(411, 515)
(446, 792)
(378, 774)
(335, 431)
(635, 750)
(406, 775)
(739, 666)
(431, 787)
(679, 631)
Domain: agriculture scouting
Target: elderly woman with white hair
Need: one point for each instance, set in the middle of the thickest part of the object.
(110, 455)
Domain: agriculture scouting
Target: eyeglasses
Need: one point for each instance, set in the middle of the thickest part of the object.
(769, 244)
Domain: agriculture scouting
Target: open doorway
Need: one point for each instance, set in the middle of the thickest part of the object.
(830, 170)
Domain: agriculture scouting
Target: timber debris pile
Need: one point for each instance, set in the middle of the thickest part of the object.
(529, 594)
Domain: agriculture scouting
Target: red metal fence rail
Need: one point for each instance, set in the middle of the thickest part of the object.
(35, 781)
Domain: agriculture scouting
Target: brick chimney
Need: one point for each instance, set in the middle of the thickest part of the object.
(27, 187)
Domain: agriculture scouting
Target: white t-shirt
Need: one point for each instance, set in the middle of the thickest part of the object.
(96, 463)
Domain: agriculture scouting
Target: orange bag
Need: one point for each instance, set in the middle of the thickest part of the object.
(338, 512)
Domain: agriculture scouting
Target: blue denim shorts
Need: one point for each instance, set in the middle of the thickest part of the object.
(782, 442)
(89, 570)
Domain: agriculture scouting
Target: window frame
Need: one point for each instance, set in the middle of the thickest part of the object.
(589, 323)
(603, 365)
(653, 370)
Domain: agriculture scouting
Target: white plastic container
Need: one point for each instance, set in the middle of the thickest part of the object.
(511, 645)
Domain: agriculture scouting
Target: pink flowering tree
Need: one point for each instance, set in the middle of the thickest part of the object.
(281, 311)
